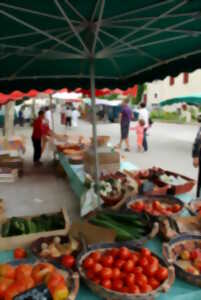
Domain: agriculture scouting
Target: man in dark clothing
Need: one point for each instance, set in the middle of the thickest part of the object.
(196, 153)
(125, 119)
(37, 134)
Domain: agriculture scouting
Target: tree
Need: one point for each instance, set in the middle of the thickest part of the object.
(140, 91)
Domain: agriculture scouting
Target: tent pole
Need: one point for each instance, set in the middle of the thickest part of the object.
(52, 112)
(93, 100)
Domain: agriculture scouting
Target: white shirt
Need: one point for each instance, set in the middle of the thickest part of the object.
(75, 116)
(144, 115)
(69, 113)
(48, 117)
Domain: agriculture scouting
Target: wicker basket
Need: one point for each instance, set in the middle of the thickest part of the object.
(172, 249)
(112, 295)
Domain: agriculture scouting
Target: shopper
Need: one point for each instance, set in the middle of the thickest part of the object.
(37, 137)
(139, 128)
(196, 153)
(75, 116)
(144, 115)
(68, 116)
(21, 118)
(125, 119)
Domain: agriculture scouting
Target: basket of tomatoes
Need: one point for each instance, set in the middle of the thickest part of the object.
(19, 278)
(157, 206)
(184, 251)
(117, 272)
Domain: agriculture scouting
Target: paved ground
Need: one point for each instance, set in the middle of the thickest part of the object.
(40, 190)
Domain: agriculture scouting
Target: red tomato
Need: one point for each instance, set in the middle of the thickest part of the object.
(90, 274)
(151, 269)
(97, 268)
(119, 263)
(22, 271)
(145, 252)
(116, 273)
(68, 261)
(106, 273)
(124, 253)
(153, 260)
(154, 283)
(195, 254)
(128, 266)
(176, 208)
(106, 283)
(130, 280)
(117, 285)
(12, 291)
(143, 262)
(107, 261)
(4, 284)
(20, 253)
(138, 206)
(96, 256)
(157, 205)
(134, 257)
(114, 252)
(134, 289)
(88, 263)
(54, 279)
(125, 290)
(146, 288)
(137, 270)
(162, 274)
(141, 279)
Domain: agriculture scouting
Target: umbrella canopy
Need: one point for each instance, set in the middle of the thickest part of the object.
(192, 100)
(51, 43)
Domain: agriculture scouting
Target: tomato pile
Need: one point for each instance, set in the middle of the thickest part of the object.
(16, 280)
(155, 208)
(125, 271)
(190, 261)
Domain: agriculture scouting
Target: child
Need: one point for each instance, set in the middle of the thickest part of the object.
(139, 128)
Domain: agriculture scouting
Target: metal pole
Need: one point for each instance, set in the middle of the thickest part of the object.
(52, 113)
(93, 101)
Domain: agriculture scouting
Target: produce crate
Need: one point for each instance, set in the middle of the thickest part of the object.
(25, 240)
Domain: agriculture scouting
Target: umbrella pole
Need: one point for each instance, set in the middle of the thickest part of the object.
(93, 100)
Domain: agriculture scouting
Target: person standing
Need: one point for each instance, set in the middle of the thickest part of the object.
(68, 116)
(37, 135)
(75, 116)
(144, 115)
(125, 119)
(139, 128)
(196, 154)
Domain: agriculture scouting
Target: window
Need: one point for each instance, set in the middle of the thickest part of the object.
(171, 80)
(186, 78)
(145, 98)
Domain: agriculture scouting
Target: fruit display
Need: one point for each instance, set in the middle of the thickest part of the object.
(126, 225)
(20, 226)
(113, 187)
(56, 247)
(184, 251)
(19, 279)
(122, 272)
(156, 206)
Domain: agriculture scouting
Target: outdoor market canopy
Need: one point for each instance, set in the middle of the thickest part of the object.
(192, 100)
(53, 43)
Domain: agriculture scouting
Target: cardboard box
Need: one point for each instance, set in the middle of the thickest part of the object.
(9, 243)
(109, 161)
(92, 234)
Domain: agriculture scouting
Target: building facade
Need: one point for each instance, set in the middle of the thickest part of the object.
(183, 85)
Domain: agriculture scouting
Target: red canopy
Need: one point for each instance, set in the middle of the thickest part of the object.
(18, 95)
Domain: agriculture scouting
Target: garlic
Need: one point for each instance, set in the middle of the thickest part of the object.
(44, 246)
(57, 240)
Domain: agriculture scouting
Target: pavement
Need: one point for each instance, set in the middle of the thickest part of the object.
(41, 190)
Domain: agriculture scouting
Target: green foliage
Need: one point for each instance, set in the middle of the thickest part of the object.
(166, 116)
(140, 91)
(109, 97)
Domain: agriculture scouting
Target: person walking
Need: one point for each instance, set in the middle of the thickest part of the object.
(144, 115)
(196, 154)
(68, 116)
(125, 119)
(139, 128)
(38, 128)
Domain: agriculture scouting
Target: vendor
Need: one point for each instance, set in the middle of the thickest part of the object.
(196, 153)
(37, 136)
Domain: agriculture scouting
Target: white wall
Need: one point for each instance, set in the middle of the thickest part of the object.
(165, 91)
